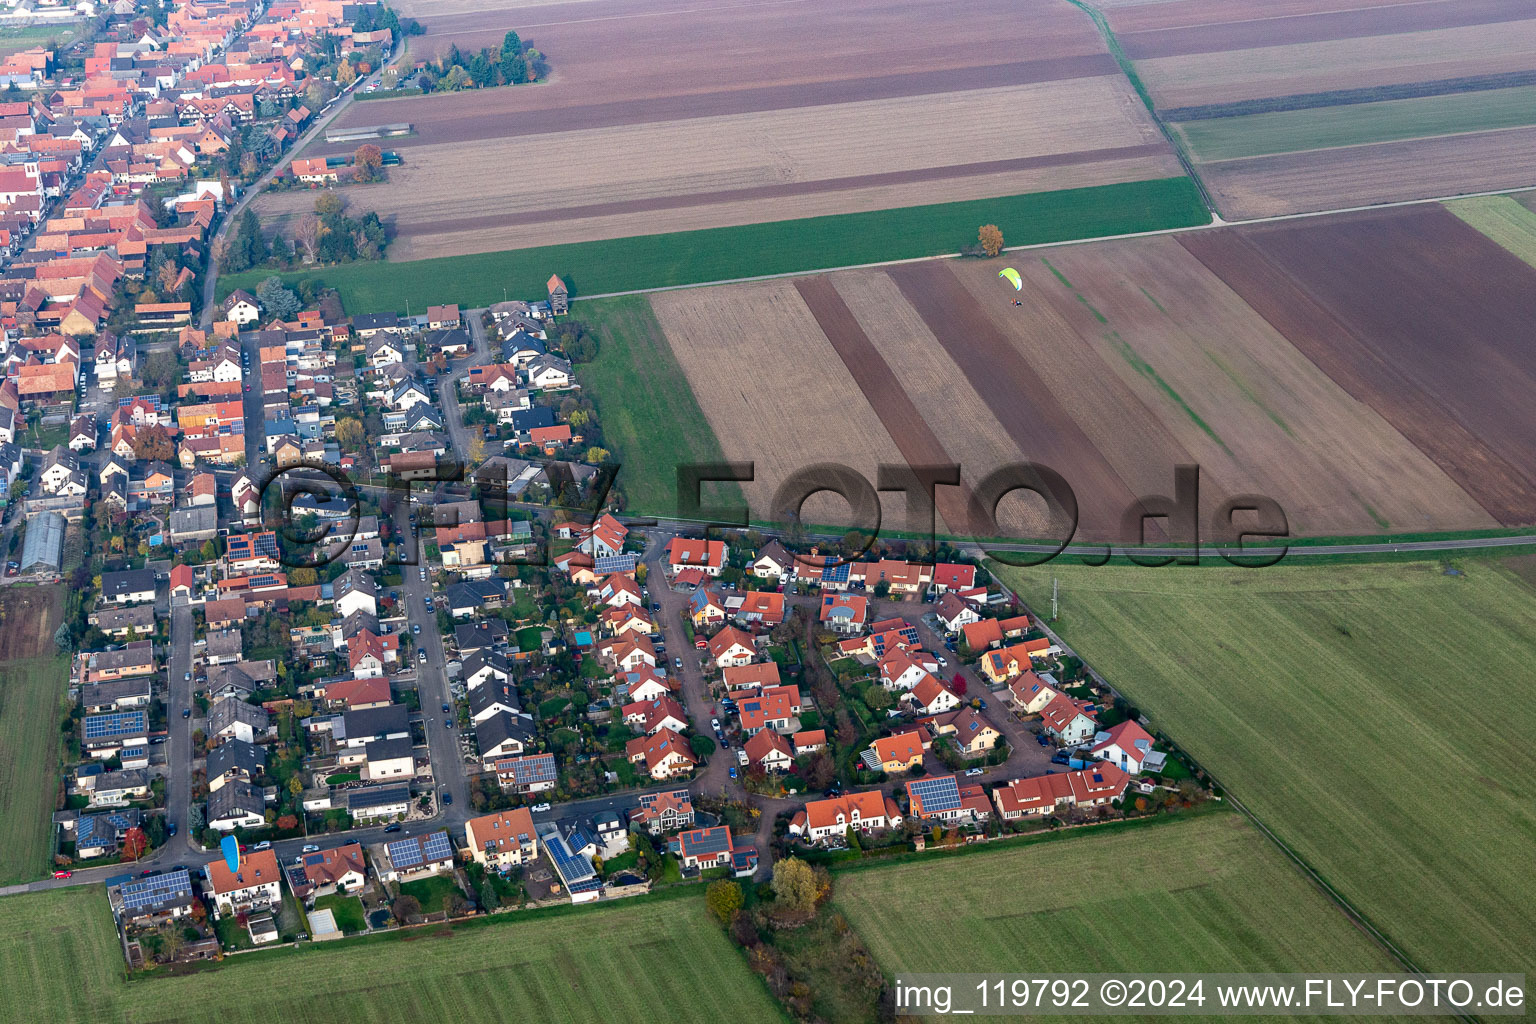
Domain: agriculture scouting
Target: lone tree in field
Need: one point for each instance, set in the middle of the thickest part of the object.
(991, 239)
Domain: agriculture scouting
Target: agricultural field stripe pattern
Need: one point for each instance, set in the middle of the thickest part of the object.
(1386, 19)
(785, 189)
(1503, 491)
(1449, 312)
(1035, 419)
(890, 401)
(436, 123)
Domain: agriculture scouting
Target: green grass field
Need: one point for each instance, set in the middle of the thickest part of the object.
(1288, 131)
(649, 414)
(31, 695)
(1378, 718)
(430, 892)
(1207, 893)
(780, 247)
(614, 962)
(1507, 222)
(16, 39)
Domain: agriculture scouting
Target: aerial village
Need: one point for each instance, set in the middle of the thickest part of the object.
(491, 692)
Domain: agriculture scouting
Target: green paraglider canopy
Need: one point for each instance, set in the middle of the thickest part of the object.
(1012, 276)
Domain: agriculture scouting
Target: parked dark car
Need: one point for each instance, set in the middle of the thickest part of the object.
(391, 828)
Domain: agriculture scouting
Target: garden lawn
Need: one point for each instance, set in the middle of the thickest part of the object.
(649, 414)
(31, 708)
(1198, 893)
(61, 961)
(1357, 124)
(749, 250)
(430, 892)
(347, 910)
(1377, 717)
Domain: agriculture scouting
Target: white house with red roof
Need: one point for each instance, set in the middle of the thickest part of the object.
(664, 755)
(652, 716)
(618, 591)
(255, 884)
(707, 556)
(1129, 747)
(870, 811)
(932, 697)
(899, 671)
(769, 751)
(732, 646)
(776, 708)
(1043, 795)
(1069, 721)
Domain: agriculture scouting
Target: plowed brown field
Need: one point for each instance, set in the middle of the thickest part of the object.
(1384, 172)
(763, 166)
(774, 390)
(1417, 315)
(1365, 372)
(674, 116)
(1273, 29)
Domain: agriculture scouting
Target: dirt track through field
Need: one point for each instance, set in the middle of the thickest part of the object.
(901, 418)
(1379, 378)
(1317, 28)
(1043, 429)
(782, 191)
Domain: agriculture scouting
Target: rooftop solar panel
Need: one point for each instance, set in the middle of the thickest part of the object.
(121, 723)
(156, 889)
(404, 853)
(438, 846)
(615, 563)
(936, 794)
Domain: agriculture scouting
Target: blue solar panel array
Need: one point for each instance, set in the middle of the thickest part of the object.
(615, 563)
(534, 769)
(941, 794)
(147, 893)
(118, 723)
(438, 846)
(404, 853)
(573, 870)
(836, 573)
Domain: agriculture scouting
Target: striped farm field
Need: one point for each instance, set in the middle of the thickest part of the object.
(1204, 894)
(31, 691)
(1377, 718)
(615, 962)
(1502, 219)
(1357, 124)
